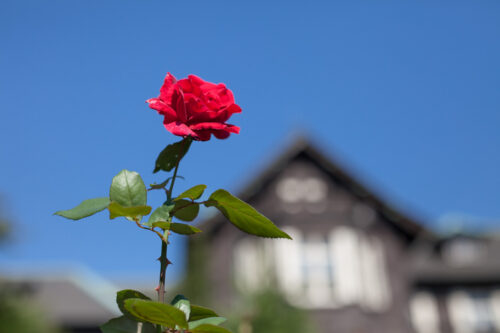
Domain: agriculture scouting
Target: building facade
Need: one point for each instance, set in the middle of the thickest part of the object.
(355, 264)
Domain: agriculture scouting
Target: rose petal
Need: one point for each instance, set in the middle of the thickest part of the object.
(225, 97)
(205, 129)
(234, 108)
(214, 116)
(233, 129)
(162, 108)
(221, 134)
(204, 126)
(189, 87)
(194, 107)
(208, 117)
(203, 135)
(180, 129)
(179, 105)
(202, 84)
(167, 88)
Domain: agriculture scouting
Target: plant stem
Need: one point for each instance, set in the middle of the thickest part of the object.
(169, 194)
(163, 269)
(163, 258)
(164, 262)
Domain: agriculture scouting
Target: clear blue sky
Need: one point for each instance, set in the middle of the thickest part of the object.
(404, 93)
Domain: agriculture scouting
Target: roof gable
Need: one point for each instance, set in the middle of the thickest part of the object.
(303, 150)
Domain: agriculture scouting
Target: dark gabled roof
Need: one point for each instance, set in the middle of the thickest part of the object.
(438, 274)
(302, 146)
(69, 300)
(433, 269)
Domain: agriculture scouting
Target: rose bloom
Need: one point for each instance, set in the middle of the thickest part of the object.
(196, 108)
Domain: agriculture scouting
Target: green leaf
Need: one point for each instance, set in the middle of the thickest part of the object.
(84, 209)
(183, 304)
(193, 193)
(125, 294)
(156, 313)
(116, 210)
(178, 228)
(208, 328)
(125, 325)
(212, 320)
(128, 189)
(171, 155)
(244, 216)
(161, 213)
(186, 210)
(200, 312)
(162, 225)
(184, 229)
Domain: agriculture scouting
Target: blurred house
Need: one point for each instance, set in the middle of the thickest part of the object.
(76, 302)
(355, 264)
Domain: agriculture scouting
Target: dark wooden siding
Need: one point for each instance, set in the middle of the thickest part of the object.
(338, 211)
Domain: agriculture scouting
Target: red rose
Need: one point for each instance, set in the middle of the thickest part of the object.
(196, 108)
